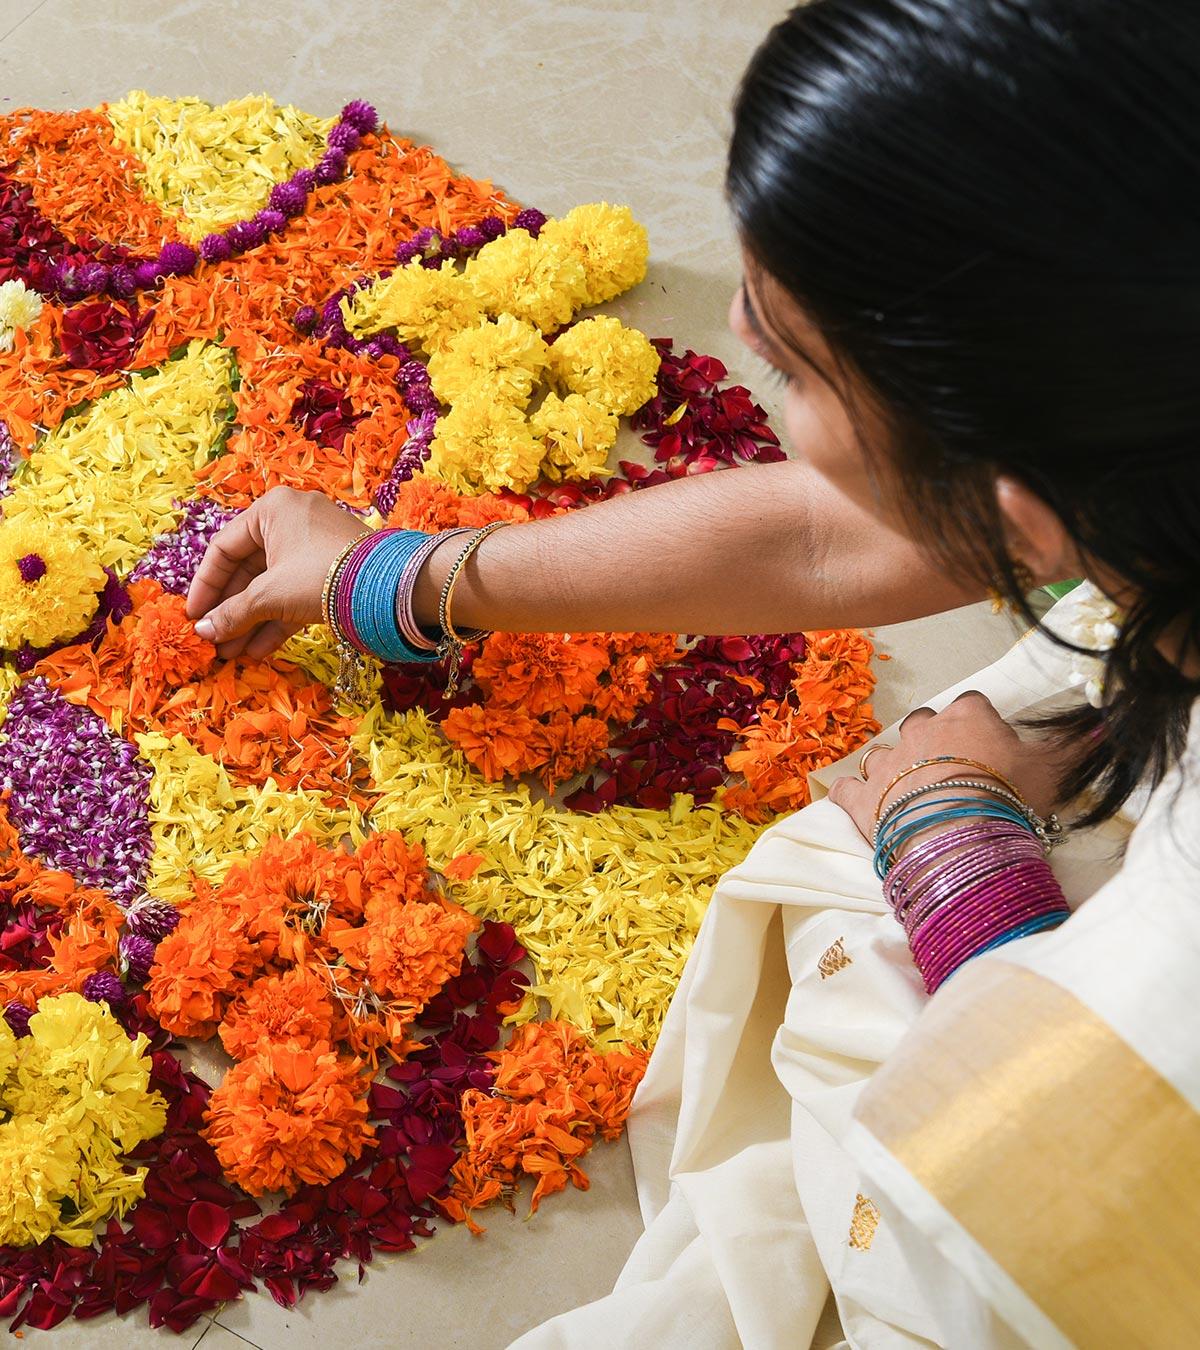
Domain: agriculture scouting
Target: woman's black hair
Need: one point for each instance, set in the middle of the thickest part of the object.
(991, 211)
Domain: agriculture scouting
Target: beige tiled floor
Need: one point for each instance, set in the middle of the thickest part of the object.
(560, 101)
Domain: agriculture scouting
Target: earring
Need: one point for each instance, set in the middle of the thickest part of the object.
(1023, 576)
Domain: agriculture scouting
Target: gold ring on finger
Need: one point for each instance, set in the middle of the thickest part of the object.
(866, 755)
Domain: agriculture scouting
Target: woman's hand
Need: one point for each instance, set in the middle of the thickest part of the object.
(969, 728)
(263, 574)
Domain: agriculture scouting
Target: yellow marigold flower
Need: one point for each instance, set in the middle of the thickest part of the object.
(516, 274)
(49, 584)
(19, 307)
(578, 436)
(482, 445)
(426, 306)
(78, 1090)
(79, 1065)
(607, 363)
(502, 359)
(8, 1051)
(610, 243)
(38, 1166)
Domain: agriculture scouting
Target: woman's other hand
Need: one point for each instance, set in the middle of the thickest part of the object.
(262, 575)
(969, 728)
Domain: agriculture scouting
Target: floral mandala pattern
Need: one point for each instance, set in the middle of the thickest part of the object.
(196, 304)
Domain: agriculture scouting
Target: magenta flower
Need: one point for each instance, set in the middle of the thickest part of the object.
(215, 248)
(361, 116)
(176, 259)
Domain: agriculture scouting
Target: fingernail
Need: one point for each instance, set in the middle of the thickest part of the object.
(206, 629)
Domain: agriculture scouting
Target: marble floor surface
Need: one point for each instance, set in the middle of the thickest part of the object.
(560, 102)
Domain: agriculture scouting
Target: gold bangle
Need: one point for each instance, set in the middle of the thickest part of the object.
(946, 759)
(350, 682)
(331, 578)
(451, 646)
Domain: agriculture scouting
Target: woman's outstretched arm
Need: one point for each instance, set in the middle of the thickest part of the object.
(765, 548)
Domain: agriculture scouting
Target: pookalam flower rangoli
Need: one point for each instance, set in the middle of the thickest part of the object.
(429, 940)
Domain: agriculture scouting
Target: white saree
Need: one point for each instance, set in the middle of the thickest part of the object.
(1015, 1161)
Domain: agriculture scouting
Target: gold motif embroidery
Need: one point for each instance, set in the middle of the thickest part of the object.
(833, 959)
(863, 1223)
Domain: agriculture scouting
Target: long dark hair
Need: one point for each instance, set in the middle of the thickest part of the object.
(991, 210)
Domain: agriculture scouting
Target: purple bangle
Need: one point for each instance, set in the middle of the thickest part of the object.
(345, 588)
(954, 855)
(951, 878)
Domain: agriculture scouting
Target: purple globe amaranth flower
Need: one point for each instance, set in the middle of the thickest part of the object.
(245, 235)
(177, 260)
(17, 1016)
(331, 166)
(406, 252)
(147, 275)
(65, 279)
(93, 278)
(271, 220)
(215, 248)
(425, 237)
(137, 956)
(470, 237)
(8, 459)
(305, 179)
(306, 318)
(361, 116)
(344, 136)
(121, 281)
(151, 919)
(492, 227)
(288, 198)
(104, 987)
(530, 219)
(32, 567)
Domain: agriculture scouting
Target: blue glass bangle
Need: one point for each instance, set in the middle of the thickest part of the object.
(373, 598)
(899, 831)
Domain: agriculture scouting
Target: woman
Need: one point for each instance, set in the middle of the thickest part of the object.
(970, 235)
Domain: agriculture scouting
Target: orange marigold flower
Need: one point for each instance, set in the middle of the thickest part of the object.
(541, 672)
(197, 970)
(164, 649)
(425, 503)
(572, 744)
(553, 1094)
(289, 1115)
(294, 1006)
(824, 718)
(495, 740)
(391, 868)
(407, 951)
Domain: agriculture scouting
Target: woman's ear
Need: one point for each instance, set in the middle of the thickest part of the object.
(1036, 536)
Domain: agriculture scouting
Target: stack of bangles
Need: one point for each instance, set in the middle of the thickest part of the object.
(964, 890)
(367, 602)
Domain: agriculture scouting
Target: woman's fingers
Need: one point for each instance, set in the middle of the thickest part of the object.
(266, 638)
(234, 546)
(237, 616)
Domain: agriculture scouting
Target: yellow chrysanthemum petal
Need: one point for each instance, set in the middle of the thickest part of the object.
(201, 821)
(111, 475)
(215, 165)
(79, 1095)
(426, 306)
(607, 905)
(543, 283)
